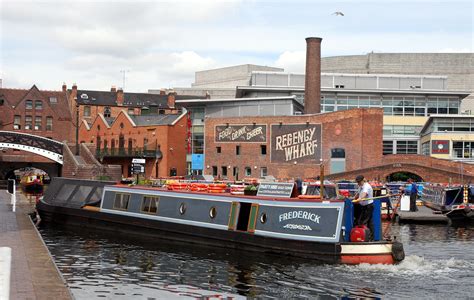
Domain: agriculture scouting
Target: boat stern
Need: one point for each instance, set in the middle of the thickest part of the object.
(372, 253)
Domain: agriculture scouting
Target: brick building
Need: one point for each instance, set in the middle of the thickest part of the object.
(293, 146)
(37, 112)
(160, 139)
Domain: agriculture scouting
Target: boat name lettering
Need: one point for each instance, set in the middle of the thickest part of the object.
(297, 226)
(299, 215)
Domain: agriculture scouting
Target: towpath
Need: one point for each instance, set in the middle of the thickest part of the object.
(32, 273)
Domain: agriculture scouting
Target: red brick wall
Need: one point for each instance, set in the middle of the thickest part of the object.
(170, 138)
(358, 131)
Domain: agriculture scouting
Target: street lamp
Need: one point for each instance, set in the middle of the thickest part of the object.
(321, 178)
(77, 126)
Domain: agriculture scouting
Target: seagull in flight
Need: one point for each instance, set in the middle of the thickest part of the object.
(338, 13)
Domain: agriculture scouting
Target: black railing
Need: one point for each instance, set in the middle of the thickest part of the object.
(32, 141)
(126, 152)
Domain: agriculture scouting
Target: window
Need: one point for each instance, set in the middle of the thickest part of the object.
(145, 143)
(263, 149)
(161, 112)
(38, 104)
(338, 153)
(407, 147)
(387, 147)
(150, 204)
(237, 150)
(107, 112)
(224, 170)
(49, 123)
(263, 171)
(121, 125)
(235, 172)
(87, 111)
(218, 149)
(248, 171)
(38, 122)
(121, 201)
(425, 148)
(213, 212)
(214, 170)
(28, 122)
(53, 100)
(131, 111)
(29, 104)
(2, 102)
(463, 149)
(17, 122)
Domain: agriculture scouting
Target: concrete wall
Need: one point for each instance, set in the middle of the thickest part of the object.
(459, 67)
(228, 77)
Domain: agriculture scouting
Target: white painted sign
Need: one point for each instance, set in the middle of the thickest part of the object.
(138, 160)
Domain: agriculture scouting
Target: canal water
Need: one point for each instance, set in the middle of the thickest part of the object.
(439, 264)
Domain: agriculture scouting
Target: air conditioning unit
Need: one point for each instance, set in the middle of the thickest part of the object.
(84, 96)
(36, 127)
(16, 126)
(28, 127)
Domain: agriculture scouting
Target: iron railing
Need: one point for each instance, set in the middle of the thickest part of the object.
(126, 152)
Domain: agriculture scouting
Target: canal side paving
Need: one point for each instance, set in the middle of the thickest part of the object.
(423, 215)
(33, 272)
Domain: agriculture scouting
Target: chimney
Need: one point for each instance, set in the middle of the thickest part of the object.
(120, 97)
(171, 99)
(162, 92)
(64, 87)
(113, 89)
(312, 94)
(74, 92)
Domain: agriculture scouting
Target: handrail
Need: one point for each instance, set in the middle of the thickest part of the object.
(373, 198)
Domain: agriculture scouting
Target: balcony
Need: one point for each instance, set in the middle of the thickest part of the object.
(126, 152)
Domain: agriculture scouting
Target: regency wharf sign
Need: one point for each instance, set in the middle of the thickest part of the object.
(241, 133)
(296, 142)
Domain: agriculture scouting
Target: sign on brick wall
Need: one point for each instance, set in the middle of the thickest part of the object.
(241, 133)
(299, 143)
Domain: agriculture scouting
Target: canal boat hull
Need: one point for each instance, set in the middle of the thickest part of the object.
(283, 232)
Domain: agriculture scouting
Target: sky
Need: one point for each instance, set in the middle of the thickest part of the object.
(161, 44)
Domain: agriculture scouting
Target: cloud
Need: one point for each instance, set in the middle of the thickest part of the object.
(292, 61)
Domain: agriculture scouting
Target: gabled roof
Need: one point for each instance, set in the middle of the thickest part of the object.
(15, 97)
(108, 98)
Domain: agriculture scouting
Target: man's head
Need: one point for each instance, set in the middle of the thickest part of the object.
(410, 180)
(359, 179)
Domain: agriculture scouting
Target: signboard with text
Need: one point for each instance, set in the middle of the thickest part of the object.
(245, 133)
(296, 143)
(440, 147)
(275, 189)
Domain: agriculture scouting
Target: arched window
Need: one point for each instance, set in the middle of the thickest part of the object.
(107, 112)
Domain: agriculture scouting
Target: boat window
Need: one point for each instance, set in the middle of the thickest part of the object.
(81, 194)
(97, 195)
(150, 204)
(182, 208)
(213, 212)
(263, 218)
(65, 192)
(121, 201)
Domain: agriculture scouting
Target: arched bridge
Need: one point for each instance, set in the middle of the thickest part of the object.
(32, 143)
(430, 169)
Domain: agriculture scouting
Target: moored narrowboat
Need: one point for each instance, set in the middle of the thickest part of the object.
(456, 202)
(32, 183)
(310, 228)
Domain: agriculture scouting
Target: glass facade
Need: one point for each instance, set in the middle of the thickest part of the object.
(400, 147)
(393, 105)
(463, 149)
(404, 130)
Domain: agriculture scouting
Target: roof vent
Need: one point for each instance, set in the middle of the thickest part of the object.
(84, 96)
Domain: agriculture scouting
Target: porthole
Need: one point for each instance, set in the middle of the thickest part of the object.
(182, 208)
(263, 218)
(213, 212)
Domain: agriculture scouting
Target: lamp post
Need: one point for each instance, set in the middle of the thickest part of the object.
(77, 126)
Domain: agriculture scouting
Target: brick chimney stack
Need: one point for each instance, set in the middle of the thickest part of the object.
(162, 92)
(64, 87)
(312, 94)
(171, 99)
(113, 89)
(120, 97)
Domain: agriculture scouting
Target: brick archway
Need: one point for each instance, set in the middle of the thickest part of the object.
(429, 168)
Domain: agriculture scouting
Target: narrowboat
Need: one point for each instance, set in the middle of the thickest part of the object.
(456, 202)
(310, 227)
(32, 183)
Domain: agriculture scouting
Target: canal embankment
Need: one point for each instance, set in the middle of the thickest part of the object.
(32, 273)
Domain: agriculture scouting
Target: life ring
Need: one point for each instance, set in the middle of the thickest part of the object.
(199, 187)
(309, 197)
(177, 186)
(216, 191)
